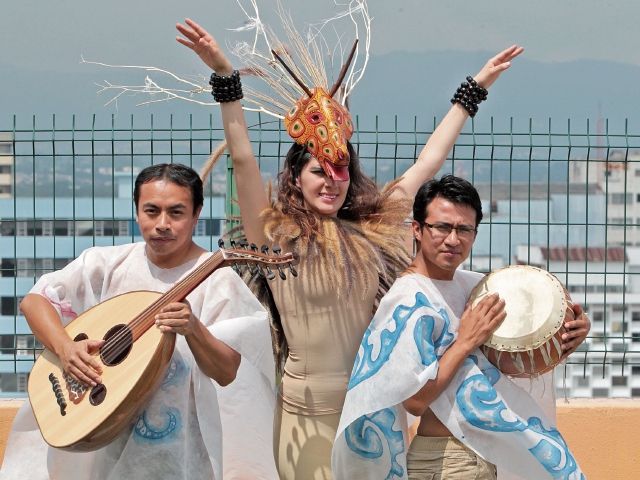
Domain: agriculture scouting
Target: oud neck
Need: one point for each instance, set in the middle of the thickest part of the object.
(177, 293)
(184, 287)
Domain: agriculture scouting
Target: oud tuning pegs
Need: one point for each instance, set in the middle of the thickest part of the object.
(254, 247)
(244, 244)
(277, 251)
(293, 270)
(236, 268)
(270, 274)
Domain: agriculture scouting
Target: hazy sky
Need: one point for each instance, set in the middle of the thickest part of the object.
(42, 41)
(52, 34)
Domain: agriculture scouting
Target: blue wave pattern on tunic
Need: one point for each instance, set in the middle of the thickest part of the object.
(550, 455)
(365, 440)
(365, 366)
(431, 350)
(480, 404)
(487, 369)
(360, 436)
(177, 372)
(145, 432)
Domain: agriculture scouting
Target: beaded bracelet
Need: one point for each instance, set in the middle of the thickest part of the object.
(469, 94)
(226, 89)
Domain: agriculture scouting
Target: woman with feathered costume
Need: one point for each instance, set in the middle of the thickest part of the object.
(348, 233)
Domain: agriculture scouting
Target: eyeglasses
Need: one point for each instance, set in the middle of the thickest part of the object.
(440, 230)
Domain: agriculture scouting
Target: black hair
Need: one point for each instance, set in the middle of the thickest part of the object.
(455, 189)
(177, 173)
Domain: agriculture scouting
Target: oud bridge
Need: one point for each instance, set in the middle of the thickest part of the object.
(118, 344)
(77, 392)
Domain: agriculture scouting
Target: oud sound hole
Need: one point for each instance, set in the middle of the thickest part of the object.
(118, 343)
(80, 337)
(96, 397)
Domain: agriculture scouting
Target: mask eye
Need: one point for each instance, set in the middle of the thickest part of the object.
(315, 118)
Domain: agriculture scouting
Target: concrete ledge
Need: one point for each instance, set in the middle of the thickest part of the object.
(603, 434)
(8, 409)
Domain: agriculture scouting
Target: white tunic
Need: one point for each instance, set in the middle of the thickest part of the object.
(180, 434)
(415, 324)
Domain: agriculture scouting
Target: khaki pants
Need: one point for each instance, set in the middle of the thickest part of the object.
(446, 458)
(302, 445)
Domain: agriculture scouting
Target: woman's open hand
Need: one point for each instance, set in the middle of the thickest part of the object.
(496, 65)
(203, 43)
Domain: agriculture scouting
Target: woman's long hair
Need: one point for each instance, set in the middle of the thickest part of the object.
(362, 203)
(362, 199)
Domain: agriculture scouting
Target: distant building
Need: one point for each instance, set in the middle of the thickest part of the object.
(6, 165)
(618, 180)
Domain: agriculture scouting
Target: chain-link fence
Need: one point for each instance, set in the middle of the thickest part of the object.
(560, 196)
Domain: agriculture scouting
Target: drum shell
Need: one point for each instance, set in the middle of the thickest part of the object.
(524, 361)
(519, 364)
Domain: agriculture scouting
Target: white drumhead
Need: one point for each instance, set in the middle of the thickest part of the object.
(535, 302)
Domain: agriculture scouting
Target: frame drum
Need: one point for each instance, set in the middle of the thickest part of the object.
(529, 340)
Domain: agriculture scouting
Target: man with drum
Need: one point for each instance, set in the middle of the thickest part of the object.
(223, 338)
(421, 354)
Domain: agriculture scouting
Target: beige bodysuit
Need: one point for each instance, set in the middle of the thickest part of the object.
(323, 332)
(324, 313)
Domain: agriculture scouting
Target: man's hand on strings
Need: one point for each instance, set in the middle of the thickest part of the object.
(178, 318)
(78, 361)
(203, 43)
(578, 330)
(496, 65)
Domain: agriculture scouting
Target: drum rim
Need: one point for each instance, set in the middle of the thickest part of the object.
(547, 336)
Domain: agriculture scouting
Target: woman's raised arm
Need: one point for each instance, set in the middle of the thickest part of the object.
(443, 138)
(251, 193)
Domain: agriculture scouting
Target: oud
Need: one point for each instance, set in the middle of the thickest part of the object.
(134, 357)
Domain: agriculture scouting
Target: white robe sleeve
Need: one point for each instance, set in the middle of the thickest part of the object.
(399, 354)
(76, 288)
(241, 412)
(233, 315)
(71, 291)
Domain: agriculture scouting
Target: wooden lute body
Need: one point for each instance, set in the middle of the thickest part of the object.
(134, 359)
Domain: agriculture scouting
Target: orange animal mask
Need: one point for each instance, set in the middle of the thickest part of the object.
(324, 126)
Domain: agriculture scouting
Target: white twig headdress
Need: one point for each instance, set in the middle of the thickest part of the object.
(315, 116)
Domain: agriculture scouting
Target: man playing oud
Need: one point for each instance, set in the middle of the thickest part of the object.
(421, 354)
(223, 337)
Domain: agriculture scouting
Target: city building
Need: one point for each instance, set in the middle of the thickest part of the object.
(6, 165)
